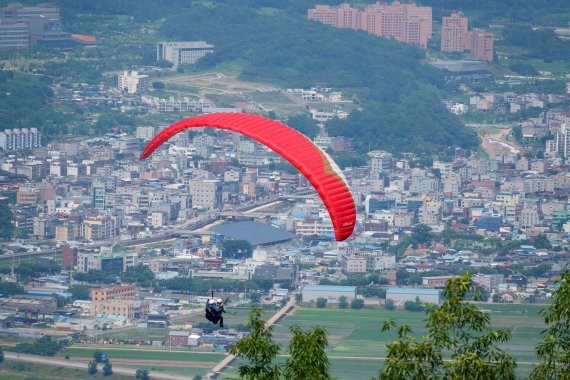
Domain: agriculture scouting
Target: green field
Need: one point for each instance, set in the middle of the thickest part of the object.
(145, 354)
(14, 370)
(356, 345)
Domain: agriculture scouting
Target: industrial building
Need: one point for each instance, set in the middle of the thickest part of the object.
(401, 295)
(331, 293)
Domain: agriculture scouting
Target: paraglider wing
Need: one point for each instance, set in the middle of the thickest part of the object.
(310, 160)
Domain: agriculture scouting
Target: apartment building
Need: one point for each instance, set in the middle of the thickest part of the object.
(206, 193)
(98, 228)
(130, 308)
(481, 45)
(407, 23)
(453, 33)
(18, 139)
(110, 292)
(132, 82)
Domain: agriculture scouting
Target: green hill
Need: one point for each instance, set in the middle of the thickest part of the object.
(23, 104)
(399, 95)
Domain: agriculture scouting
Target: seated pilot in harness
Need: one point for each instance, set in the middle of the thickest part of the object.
(214, 310)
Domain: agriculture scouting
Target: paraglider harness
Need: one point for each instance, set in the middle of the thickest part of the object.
(214, 311)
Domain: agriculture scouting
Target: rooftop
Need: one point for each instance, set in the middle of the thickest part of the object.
(254, 233)
(330, 288)
(431, 292)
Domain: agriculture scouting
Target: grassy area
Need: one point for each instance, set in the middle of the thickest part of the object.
(6, 260)
(356, 343)
(139, 334)
(145, 354)
(14, 370)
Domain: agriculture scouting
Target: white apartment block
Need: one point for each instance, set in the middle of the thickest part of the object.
(180, 53)
(379, 260)
(353, 263)
(206, 193)
(132, 82)
(314, 227)
(145, 133)
(18, 139)
(563, 141)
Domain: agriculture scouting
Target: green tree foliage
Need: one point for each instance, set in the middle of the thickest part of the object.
(389, 305)
(308, 358)
(553, 12)
(141, 275)
(457, 328)
(554, 349)
(357, 303)
(10, 288)
(298, 298)
(24, 104)
(1, 355)
(7, 229)
(236, 249)
(421, 234)
(34, 270)
(414, 305)
(523, 69)
(92, 368)
(204, 286)
(259, 349)
(80, 292)
(372, 291)
(94, 276)
(44, 346)
(142, 374)
(304, 124)
(321, 302)
(540, 43)
(401, 105)
(343, 302)
(98, 356)
(107, 369)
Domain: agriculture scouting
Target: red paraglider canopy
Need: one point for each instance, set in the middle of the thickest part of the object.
(312, 162)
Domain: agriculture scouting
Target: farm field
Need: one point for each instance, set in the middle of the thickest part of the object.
(357, 347)
(13, 370)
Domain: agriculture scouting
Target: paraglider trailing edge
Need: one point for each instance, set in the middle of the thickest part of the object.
(314, 163)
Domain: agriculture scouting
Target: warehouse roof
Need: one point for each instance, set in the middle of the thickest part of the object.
(330, 288)
(254, 233)
(434, 292)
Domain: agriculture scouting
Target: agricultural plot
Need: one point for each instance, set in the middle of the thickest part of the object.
(357, 348)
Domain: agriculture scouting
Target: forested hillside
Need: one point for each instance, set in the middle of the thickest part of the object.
(553, 12)
(23, 104)
(399, 94)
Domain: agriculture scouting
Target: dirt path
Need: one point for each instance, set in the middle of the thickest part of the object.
(79, 364)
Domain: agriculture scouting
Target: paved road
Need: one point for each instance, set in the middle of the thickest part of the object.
(81, 365)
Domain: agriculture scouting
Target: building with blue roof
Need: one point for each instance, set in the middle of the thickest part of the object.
(401, 295)
(331, 293)
(254, 233)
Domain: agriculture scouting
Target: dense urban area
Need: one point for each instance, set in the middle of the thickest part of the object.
(449, 120)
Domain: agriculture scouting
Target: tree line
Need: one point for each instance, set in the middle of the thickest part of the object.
(460, 343)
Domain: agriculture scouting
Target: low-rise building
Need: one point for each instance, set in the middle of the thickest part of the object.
(331, 293)
(401, 295)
